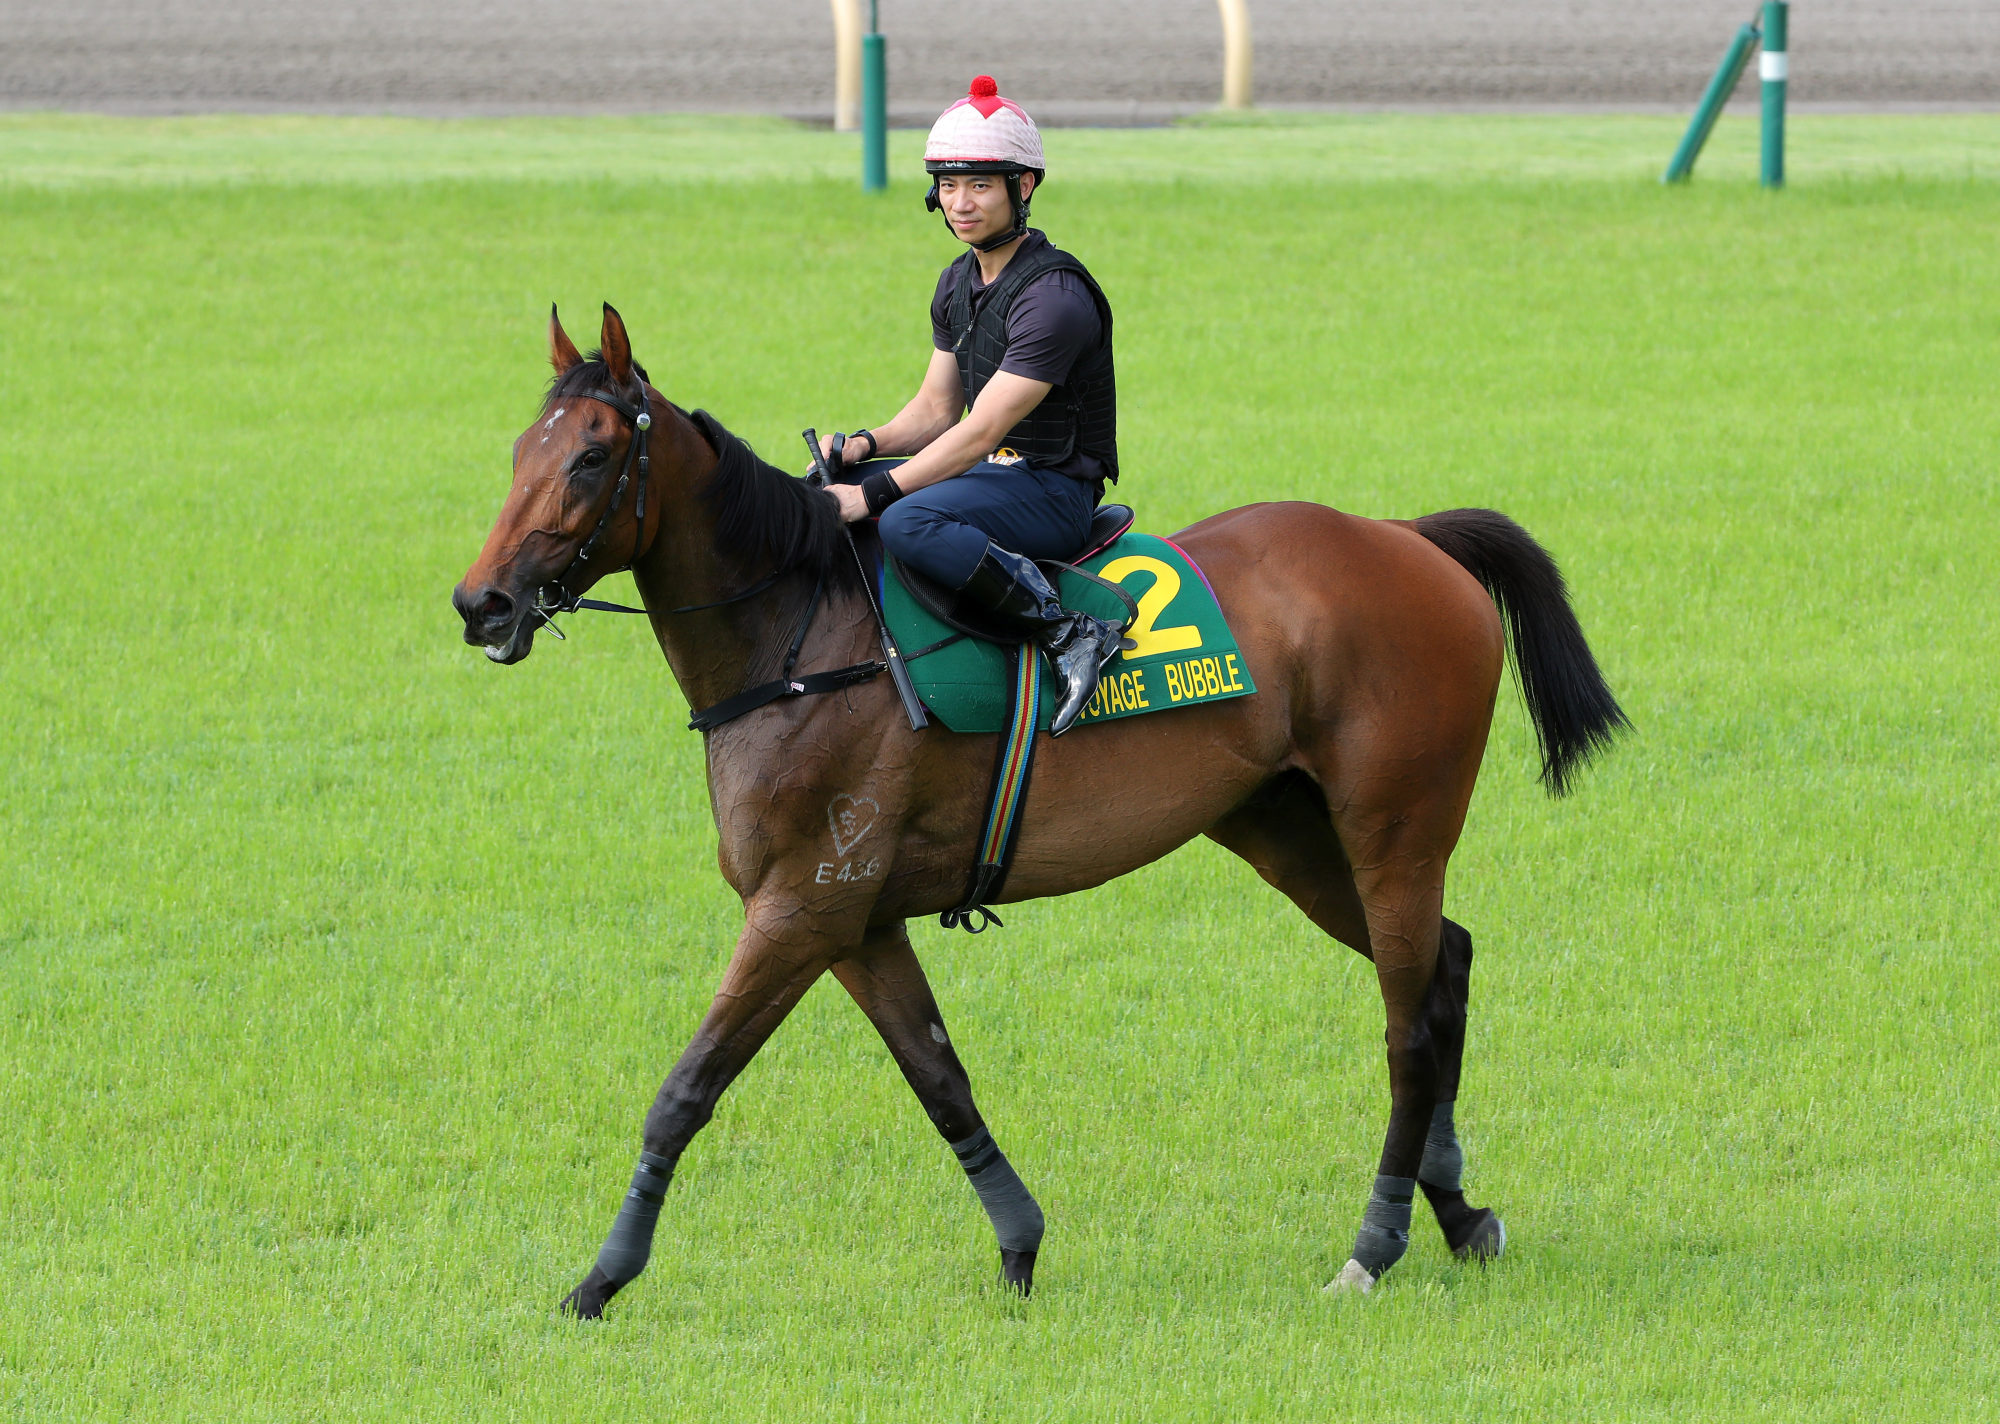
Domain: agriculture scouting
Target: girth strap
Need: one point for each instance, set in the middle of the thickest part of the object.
(1015, 760)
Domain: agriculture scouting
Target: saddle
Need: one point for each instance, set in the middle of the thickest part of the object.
(951, 608)
(974, 676)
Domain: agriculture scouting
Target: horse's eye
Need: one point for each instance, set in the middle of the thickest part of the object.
(592, 458)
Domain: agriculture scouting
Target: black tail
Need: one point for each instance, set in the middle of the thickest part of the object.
(1574, 713)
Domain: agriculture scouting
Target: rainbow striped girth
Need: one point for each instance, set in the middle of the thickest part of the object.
(1010, 787)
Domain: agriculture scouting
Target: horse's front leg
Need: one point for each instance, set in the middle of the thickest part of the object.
(889, 984)
(782, 951)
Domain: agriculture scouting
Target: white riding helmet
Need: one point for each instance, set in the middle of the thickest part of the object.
(985, 133)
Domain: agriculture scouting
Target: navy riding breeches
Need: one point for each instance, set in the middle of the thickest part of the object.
(943, 529)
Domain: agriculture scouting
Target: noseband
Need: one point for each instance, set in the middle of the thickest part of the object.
(636, 458)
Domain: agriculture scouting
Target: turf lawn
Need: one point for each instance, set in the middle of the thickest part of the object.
(337, 967)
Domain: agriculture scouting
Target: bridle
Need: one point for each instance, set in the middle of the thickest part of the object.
(788, 683)
(637, 459)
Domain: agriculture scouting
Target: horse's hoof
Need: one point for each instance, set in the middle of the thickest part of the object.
(587, 1301)
(1017, 1271)
(1485, 1242)
(1353, 1279)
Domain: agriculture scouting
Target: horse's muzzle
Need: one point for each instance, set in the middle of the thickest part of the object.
(494, 621)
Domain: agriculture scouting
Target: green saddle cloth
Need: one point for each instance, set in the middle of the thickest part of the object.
(1185, 653)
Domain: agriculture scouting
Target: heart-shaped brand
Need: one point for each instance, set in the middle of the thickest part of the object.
(850, 818)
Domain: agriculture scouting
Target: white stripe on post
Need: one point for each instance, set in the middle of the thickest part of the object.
(1772, 67)
(847, 26)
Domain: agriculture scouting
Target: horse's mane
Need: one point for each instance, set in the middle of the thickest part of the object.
(763, 516)
(763, 513)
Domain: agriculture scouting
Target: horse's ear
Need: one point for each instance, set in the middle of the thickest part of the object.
(616, 348)
(563, 354)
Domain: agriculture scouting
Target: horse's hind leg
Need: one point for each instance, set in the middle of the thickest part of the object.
(1287, 834)
(1399, 877)
(888, 983)
(1473, 1233)
(1284, 833)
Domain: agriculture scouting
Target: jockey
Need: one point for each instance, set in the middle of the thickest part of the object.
(1014, 431)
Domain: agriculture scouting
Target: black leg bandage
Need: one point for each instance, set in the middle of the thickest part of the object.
(1017, 1220)
(625, 1250)
(1385, 1226)
(1444, 1161)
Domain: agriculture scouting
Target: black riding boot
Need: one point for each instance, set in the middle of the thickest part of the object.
(1078, 645)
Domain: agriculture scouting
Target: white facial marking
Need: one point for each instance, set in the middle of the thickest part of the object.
(937, 1032)
(550, 422)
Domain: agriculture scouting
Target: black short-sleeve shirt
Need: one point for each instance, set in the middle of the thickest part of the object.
(1052, 324)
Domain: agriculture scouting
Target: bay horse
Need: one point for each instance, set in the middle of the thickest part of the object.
(1376, 646)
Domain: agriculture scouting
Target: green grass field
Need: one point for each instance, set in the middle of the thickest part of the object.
(338, 967)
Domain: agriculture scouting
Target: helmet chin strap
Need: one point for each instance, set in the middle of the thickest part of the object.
(1020, 210)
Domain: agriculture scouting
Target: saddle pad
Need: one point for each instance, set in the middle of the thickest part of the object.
(1185, 654)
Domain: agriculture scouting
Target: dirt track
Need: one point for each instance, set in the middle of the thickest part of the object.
(1075, 60)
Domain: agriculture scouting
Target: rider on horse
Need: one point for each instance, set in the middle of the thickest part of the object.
(1014, 431)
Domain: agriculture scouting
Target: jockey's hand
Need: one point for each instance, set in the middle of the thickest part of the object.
(849, 453)
(853, 507)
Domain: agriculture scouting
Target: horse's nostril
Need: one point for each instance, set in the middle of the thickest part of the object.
(488, 609)
(495, 609)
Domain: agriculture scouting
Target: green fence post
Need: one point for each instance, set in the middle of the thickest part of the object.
(1734, 61)
(874, 105)
(1774, 70)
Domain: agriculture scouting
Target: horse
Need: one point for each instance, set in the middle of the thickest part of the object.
(1376, 647)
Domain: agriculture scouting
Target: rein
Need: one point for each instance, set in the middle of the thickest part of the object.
(600, 606)
(749, 700)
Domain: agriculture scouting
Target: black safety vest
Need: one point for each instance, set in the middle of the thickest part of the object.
(1082, 413)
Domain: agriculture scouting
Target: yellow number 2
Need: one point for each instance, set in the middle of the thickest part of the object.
(1152, 603)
